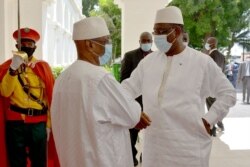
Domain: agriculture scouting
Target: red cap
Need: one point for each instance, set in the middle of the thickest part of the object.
(27, 33)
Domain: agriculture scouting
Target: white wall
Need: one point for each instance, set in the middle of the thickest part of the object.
(8, 19)
(28, 18)
(53, 19)
(137, 16)
(2, 44)
(59, 17)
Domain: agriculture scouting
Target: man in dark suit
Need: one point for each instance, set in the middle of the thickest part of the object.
(129, 63)
(219, 58)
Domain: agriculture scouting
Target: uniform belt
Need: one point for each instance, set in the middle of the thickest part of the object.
(29, 111)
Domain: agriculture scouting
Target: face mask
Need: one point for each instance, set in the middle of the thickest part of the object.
(104, 59)
(161, 42)
(146, 46)
(207, 46)
(28, 50)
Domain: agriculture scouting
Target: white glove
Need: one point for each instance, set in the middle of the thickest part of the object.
(48, 130)
(17, 60)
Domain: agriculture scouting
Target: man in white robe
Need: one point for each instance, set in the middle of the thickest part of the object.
(91, 112)
(174, 82)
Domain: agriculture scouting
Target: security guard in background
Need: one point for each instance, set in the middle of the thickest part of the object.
(27, 84)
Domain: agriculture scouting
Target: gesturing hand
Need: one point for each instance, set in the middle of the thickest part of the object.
(144, 121)
(18, 59)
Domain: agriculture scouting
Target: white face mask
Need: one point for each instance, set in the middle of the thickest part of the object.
(146, 46)
(207, 46)
(162, 43)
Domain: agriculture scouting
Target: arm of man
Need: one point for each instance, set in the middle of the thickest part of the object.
(144, 121)
(133, 84)
(8, 81)
(115, 105)
(215, 84)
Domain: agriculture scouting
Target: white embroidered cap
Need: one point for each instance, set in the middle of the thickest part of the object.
(170, 14)
(90, 28)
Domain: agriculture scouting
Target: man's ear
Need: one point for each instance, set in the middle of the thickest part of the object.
(213, 45)
(88, 44)
(178, 31)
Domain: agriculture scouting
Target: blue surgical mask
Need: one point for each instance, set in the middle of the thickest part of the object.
(104, 59)
(162, 43)
(146, 46)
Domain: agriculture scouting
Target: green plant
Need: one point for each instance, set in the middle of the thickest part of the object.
(57, 71)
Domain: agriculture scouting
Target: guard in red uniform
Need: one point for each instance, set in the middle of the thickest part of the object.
(26, 86)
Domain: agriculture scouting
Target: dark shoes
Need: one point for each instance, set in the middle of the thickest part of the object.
(213, 131)
(221, 126)
(135, 162)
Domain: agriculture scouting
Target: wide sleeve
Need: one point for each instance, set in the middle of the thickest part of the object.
(215, 84)
(133, 84)
(114, 105)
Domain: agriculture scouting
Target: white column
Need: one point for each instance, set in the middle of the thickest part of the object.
(43, 16)
(8, 18)
(2, 32)
(30, 16)
(137, 16)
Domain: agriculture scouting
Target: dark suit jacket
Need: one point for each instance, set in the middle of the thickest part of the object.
(218, 58)
(129, 63)
(220, 61)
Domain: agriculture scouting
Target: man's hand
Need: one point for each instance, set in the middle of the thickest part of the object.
(207, 126)
(48, 130)
(18, 59)
(144, 121)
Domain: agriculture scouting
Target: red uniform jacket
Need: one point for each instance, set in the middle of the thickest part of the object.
(43, 70)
